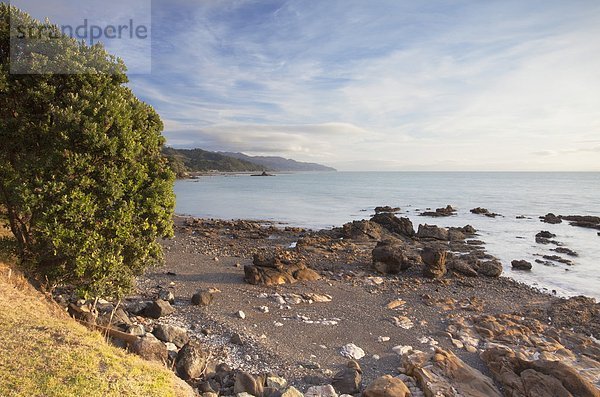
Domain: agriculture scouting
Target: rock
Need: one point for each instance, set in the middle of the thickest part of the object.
(386, 208)
(158, 309)
(348, 380)
(444, 374)
(440, 212)
(551, 218)
(352, 351)
(463, 267)
(202, 298)
(236, 339)
(116, 317)
(137, 308)
(150, 348)
(432, 232)
(247, 383)
(137, 330)
(362, 231)
(484, 211)
(587, 221)
(536, 378)
(276, 382)
(567, 251)
(558, 259)
(292, 392)
(434, 259)
(277, 268)
(390, 222)
(521, 265)
(166, 295)
(395, 304)
(492, 268)
(402, 350)
(387, 386)
(241, 314)
(456, 234)
(545, 234)
(191, 361)
(321, 391)
(169, 333)
(390, 257)
(383, 339)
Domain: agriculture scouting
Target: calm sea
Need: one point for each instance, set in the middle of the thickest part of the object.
(323, 200)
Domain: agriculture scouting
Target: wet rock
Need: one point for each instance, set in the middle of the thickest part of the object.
(567, 251)
(401, 226)
(521, 265)
(536, 378)
(390, 257)
(202, 298)
(150, 348)
(169, 333)
(158, 309)
(348, 380)
(432, 232)
(558, 259)
(247, 383)
(492, 268)
(352, 351)
(191, 361)
(587, 221)
(321, 391)
(387, 386)
(443, 373)
(386, 208)
(434, 259)
(551, 218)
(484, 211)
(545, 234)
(440, 212)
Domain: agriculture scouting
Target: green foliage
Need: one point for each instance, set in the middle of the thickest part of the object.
(86, 189)
(184, 161)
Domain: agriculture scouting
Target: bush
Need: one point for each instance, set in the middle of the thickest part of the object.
(86, 190)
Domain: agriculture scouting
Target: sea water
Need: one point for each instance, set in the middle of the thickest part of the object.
(324, 200)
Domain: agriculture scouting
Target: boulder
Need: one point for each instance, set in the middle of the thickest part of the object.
(362, 230)
(168, 333)
(491, 268)
(158, 309)
(390, 257)
(348, 380)
(150, 348)
(538, 378)
(292, 392)
(166, 295)
(202, 298)
(352, 351)
(389, 221)
(432, 232)
(484, 211)
(456, 234)
(386, 208)
(545, 234)
(444, 374)
(321, 391)
(277, 268)
(277, 383)
(521, 265)
(248, 383)
(191, 361)
(387, 386)
(434, 260)
(463, 267)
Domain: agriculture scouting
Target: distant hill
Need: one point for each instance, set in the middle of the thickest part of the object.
(279, 163)
(184, 161)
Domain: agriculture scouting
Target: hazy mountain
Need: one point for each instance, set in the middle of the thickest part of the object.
(279, 163)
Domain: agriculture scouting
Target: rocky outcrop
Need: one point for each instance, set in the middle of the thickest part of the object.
(440, 212)
(444, 374)
(484, 211)
(432, 232)
(387, 386)
(434, 260)
(550, 218)
(392, 257)
(587, 221)
(387, 208)
(362, 231)
(275, 268)
(393, 224)
(537, 378)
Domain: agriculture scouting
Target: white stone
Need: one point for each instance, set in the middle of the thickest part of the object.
(292, 392)
(276, 382)
(264, 309)
(171, 347)
(383, 339)
(402, 350)
(352, 351)
(321, 391)
(376, 357)
(241, 314)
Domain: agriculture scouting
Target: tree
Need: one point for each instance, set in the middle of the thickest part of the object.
(86, 189)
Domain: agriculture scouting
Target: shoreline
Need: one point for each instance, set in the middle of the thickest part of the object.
(284, 332)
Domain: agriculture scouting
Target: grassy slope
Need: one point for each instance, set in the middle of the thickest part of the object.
(43, 352)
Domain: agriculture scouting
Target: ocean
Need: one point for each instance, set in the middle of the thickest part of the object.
(325, 200)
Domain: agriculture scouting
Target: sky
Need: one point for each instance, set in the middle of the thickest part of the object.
(386, 85)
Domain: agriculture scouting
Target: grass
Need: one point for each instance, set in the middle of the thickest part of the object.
(43, 352)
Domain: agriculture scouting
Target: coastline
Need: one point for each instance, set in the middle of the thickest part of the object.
(301, 340)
